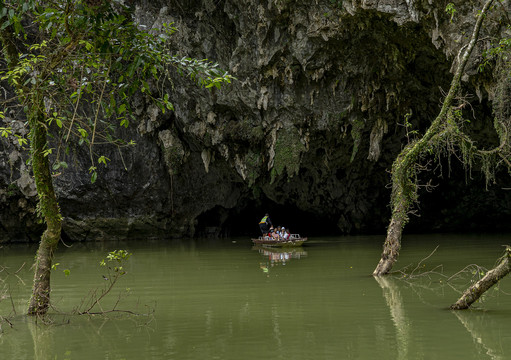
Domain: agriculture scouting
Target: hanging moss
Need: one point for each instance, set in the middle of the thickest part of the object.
(356, 134)
(253, 163)
(173, 151)
(288, 150)
(243, 130)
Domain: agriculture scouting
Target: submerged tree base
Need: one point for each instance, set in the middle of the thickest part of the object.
(473, 293)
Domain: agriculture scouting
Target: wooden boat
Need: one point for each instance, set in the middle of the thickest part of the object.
(294, 240)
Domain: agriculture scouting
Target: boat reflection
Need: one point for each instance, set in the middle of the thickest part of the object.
(278, 256)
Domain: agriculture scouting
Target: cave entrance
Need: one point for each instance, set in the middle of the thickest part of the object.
(243, 220)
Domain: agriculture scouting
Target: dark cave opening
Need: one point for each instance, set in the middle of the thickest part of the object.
(243, 220)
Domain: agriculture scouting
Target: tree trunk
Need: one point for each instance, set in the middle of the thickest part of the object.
(48, 206)
(49, 210)
(392, 243)
(473, 293)
(404, 189)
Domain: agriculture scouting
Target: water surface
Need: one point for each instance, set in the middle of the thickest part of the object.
(224, 299)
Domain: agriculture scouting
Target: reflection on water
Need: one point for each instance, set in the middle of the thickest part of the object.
(395, 303)
(487, 340)
(212, 302)
(278, 256)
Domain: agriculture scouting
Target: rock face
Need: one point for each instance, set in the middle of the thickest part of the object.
(307, 132)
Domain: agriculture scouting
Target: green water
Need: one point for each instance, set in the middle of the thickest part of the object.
(226, 300)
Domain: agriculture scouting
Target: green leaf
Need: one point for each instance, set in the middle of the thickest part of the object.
(5, 132)
(5, 24)
(21, 141)
(83, 133)
(60, 164)
(103, 159)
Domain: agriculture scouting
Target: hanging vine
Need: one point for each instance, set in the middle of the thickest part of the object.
(446, 137)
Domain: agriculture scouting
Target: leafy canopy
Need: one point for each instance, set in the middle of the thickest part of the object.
(81, 62)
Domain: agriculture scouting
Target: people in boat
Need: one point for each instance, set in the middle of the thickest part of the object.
(285, 234)
(265, 224)
(275, 235)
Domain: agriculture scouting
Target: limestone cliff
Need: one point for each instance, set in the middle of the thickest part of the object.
(308, 130)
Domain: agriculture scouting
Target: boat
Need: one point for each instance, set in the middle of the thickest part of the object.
(294, 240)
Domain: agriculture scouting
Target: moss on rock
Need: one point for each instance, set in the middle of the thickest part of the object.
(356, 134)
(288, 150)
(253, 161)
(173, 151)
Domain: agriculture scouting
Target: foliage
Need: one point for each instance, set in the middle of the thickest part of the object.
(452, 139)
(116, 256)
(86, 60)
(114, 263)
(411, 135)
(74, 67)
(450, 10)
(498, 51)
(6, 131)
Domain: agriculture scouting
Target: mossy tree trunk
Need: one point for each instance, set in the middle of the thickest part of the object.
(404, 169)
(49, 209)
(47, 205)
(474, 292)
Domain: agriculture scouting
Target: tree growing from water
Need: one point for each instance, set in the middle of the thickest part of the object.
(446, 136)
(492, 277)
(73, 67)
